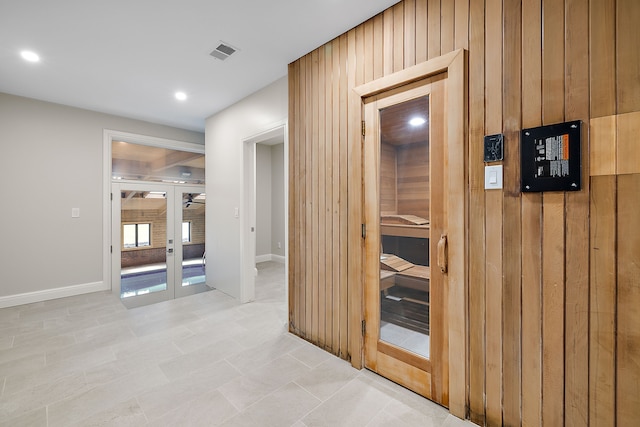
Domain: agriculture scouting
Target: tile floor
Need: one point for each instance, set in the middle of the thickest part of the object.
(203, 360)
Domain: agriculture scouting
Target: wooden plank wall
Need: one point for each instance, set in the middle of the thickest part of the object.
(554, 278)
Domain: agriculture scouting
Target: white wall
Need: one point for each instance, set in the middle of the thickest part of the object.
(270, 215)
(263, 200)
(51, 161)
(225, 133)
(278, 216)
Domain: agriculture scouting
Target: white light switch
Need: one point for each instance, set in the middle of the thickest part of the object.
(493, 177)
(236, 212)
(75, 212)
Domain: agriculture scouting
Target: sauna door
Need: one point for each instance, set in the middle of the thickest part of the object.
(405, 199)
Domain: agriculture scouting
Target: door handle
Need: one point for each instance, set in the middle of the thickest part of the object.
(443, 253)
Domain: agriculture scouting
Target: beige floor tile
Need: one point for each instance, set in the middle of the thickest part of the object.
(354, 405)
(162, 399)
(208, 409)
(282, 408)
(124, 414)
(99, 399)
(327, 378)
(41, 395)
(311, 355)
(36, 418)
(255, 385)
(187, 364)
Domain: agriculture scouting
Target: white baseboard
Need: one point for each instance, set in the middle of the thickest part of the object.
(278, 258)
(270, 257)
(49, 294)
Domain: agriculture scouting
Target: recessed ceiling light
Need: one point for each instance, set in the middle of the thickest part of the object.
(30, 56)
(181, 96)
(417, 121)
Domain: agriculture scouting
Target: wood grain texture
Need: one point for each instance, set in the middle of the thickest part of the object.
(433, 27)
(553, 226)
(627, 56)
(603, 151)
(628, 154)
(603, 278)
(409, 33)
(344, 200)
(477, 329)
(512, 222)
(577, 221)
(531, 223)
(602, 57)
(493, 219)
(628, 307)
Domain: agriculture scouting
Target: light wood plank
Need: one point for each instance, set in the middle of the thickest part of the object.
(293, 198)
(388, 53)
(369, 58)
(447, 22)
(314, 201)
(461, 24)
(321, 165)
(433, 28)
(345, 246)
(309, 297)
(421, 31)
(493, 219)
(512, 232)
(302, 137)
(477, 274)
(603, 146)
(328, 194)
(531, 223)
(553, 250)
(577, 222)
(553, 262)
(337, 205)
(602, 57)
(398, 36)
(378, 46)
(409, 33)
(602, 342)
(628, 154)
(628, 309)
(627, 55)
(356, 77)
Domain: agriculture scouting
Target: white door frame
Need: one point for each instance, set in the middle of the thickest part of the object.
(248, 269)
(108, 136)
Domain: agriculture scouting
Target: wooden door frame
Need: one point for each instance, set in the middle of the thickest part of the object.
(454, 65)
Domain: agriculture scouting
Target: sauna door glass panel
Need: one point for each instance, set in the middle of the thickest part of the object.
(404, 225)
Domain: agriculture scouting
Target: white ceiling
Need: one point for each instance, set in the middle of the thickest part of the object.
(129, 57)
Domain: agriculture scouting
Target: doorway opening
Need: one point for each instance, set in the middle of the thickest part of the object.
(264, 205)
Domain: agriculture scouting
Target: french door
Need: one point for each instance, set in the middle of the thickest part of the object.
(158, 250)
(405, 208)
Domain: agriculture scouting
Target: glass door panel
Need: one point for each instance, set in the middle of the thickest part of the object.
(404, 228)
(142, 243)
(191, 243)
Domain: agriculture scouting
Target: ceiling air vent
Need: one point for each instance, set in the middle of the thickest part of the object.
(223, 51)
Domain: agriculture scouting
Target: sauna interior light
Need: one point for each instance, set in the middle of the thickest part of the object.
(181, 96)
(30, 56)
(417, 121)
